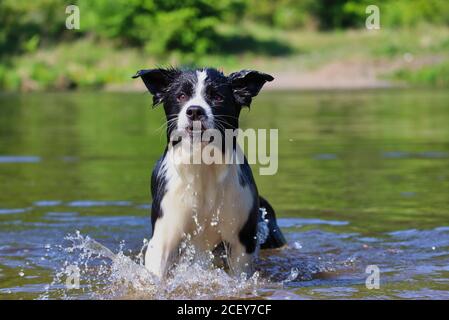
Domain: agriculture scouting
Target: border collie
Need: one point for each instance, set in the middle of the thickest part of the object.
(212, 205)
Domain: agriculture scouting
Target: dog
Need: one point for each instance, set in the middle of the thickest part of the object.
(215, 204)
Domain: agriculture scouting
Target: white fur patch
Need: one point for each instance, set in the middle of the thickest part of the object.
(197, 100)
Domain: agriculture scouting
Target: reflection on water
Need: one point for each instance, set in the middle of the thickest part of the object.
(18, 159)
(362, 181)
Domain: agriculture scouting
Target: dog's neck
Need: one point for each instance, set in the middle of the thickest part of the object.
(195, 171)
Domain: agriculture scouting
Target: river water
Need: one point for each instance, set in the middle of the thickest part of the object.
(362, 186)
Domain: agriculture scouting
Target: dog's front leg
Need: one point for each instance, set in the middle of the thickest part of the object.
(161, 249)
(239, 260)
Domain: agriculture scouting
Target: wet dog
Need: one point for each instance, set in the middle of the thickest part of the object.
(210, 204)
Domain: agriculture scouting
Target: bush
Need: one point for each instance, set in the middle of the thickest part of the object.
(393, 13)
(158, 25)
(24, 23)
(403, 13)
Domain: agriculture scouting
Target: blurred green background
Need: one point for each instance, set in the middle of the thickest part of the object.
(317, 39)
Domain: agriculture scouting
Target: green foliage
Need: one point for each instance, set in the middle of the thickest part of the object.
(337, 13)
(433, 75)
(24, 23)
(159, 26)
(192, 26)
(404, 13)
(184, 32)
(393, 13)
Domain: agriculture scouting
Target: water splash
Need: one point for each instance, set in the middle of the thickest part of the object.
(262, 228)
(106, 275)
(294, 273)
(297, 245)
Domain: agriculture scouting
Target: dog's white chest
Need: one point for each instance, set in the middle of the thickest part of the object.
(205, 202)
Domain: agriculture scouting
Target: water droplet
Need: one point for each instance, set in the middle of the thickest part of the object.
(294, 272)
(297, 245)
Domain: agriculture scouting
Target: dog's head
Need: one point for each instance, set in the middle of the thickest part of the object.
(204, 95)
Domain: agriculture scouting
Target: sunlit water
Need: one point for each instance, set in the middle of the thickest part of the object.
(363, 180)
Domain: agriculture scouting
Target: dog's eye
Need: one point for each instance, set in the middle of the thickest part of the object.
(181, 97)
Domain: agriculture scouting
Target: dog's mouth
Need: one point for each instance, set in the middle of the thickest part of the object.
(195, 127)
(190, 130)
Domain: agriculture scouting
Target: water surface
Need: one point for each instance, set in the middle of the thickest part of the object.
(363, 180)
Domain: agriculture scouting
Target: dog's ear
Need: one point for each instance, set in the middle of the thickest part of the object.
(157, 81)
(246, 84)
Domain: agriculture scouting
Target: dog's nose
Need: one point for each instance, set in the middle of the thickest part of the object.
(195, 113)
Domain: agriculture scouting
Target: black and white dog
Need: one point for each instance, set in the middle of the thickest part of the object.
(212, 205)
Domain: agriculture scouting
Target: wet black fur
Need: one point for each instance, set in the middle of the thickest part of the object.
(235, 91)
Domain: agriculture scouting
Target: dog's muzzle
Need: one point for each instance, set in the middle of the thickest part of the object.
(197, 118)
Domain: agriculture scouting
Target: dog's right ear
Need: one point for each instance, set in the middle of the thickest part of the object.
(157, 81)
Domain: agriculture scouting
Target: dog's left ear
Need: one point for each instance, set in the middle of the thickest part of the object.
(157, 81)
(246, 84)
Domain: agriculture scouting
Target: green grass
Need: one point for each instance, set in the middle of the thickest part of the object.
(435, 75)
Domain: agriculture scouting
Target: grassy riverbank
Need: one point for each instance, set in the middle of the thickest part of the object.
(300, 59)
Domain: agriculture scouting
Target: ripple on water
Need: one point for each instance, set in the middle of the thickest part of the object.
(409, 155)
(14, 211)
(47, 203)
(299, 222)
(325, 156)
(90, 203)
(19, 159)
(97, 203)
